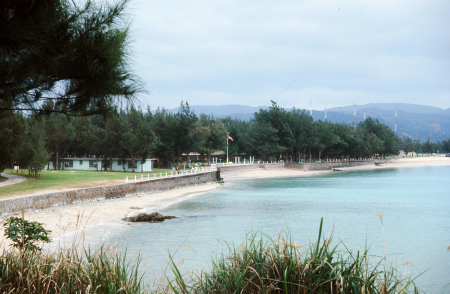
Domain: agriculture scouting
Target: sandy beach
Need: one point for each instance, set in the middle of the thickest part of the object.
(65, 219)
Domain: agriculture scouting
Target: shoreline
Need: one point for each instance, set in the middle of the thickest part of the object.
(62, 220)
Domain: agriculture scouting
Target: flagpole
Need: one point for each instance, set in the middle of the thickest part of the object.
(227, 147)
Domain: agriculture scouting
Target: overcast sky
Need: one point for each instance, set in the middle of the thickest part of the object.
(333, 52)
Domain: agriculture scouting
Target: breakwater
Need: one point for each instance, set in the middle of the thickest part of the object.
(140, 187)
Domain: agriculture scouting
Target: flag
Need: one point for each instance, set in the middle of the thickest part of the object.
(229, 138)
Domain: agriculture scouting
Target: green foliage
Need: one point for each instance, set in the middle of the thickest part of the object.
(428, 146)
(40, 156)
(74, 55)
(10, 137)
(272, 134)
(25, 234)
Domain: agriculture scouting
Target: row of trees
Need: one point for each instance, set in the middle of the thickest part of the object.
(272, 134)
(128, 133)
(410, 145)
(293, 135)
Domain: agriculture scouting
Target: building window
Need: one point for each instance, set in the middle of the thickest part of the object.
(92, 163)
(68, 163)
(81, 162)
(130, 164)
(119, 162)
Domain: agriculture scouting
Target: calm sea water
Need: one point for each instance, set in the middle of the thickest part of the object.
(415, 203)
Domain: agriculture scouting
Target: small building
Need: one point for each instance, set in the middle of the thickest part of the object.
(90, 163)
(216, 155)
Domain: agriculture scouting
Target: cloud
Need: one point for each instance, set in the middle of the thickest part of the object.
(232, 52)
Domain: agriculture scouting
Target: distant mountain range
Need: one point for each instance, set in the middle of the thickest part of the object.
(419, 122)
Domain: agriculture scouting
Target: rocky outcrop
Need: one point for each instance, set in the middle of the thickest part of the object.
(153, 217)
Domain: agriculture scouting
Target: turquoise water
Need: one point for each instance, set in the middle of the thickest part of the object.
(415, 203)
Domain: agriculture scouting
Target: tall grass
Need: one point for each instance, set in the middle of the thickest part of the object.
(74, 269)
(103, 270)
(264, 265)
(260, 265)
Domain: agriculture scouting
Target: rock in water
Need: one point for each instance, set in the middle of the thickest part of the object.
(153, 217)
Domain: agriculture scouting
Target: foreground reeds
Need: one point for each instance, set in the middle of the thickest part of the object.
(103, 270)
(261, 265)
(264, 265)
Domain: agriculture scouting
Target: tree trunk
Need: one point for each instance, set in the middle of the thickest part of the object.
(110, 163)
(142, 164)
(57, 159)
(132, 164)
(320, 153)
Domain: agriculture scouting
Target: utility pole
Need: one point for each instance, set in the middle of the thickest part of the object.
(227, 147)
(395, 127)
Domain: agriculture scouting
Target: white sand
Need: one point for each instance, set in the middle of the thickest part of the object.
(66, 219)
(63, 219)
(395, 163)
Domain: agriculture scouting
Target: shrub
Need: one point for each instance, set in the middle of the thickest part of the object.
(25, 234)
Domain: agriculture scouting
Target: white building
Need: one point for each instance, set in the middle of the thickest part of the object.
(74, 163)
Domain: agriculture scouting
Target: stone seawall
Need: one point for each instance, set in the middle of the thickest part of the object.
(226, 169)
(328, 165)
(106, 192)
(275, 165)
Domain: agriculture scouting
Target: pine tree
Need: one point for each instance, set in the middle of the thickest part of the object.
(41, 156)
(76, 56)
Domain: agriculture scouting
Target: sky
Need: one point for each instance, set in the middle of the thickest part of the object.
(333, 53)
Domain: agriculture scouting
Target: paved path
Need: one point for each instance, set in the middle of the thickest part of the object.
(12, 179)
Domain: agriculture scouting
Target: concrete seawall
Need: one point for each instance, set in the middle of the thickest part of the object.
(227, 169)
(106, 192)
(328, 165)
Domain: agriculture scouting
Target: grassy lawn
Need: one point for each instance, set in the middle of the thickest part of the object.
(66, 179)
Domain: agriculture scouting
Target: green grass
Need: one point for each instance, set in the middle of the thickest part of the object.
(65, 179)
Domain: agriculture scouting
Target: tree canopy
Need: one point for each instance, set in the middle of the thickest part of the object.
(75, 56)
(132, 133)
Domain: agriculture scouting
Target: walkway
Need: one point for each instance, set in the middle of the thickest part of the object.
(12, 179)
